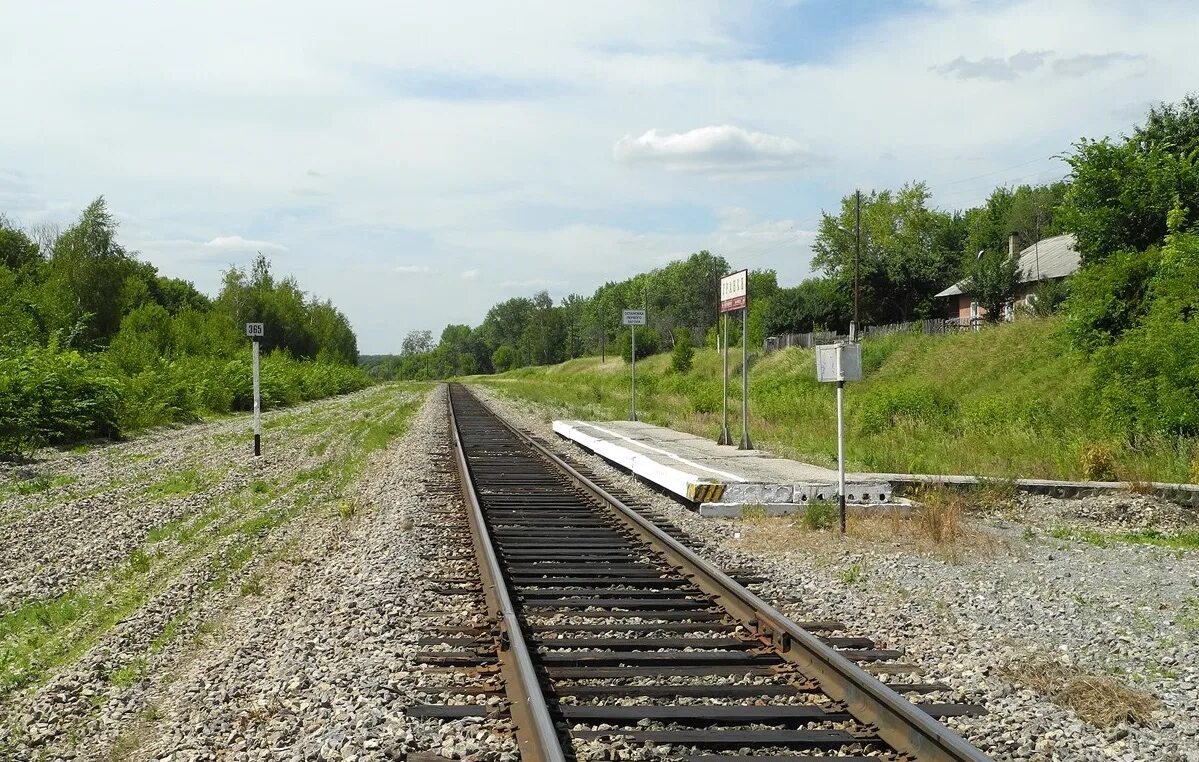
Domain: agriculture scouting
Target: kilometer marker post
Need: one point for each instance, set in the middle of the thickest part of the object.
(254, 331)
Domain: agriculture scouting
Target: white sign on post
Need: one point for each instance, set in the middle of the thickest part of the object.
(633, 318)
(734, 287)
(839, 363)
(254, 330)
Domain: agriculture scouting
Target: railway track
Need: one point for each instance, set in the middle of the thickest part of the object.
(610, 631)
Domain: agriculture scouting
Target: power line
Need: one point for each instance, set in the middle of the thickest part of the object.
(994, 172)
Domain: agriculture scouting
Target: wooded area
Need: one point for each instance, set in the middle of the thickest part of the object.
(95, 342)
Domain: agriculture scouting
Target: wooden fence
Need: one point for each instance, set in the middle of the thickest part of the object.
(932, 327)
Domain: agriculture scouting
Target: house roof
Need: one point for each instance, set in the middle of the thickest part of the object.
(1049, 258)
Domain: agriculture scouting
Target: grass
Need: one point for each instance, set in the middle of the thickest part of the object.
(936, 526)
(128, 675)
(819, 515)
(1188, 615)
(183, 482)
(34, 485)
(853, 574)
(1101, 700)
(1184, 540)
(1008, 401)
(938, 517)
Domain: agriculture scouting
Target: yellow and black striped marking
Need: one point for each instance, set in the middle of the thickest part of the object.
(705, 492)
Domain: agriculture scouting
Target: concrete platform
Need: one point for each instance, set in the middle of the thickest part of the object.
(720, 479)
(723, 480)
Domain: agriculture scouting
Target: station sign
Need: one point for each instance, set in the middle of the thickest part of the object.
(254, 330)
(632, 317)
(734, 288)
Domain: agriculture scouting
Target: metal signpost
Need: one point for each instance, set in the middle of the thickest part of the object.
(633, 318)
(734, 295)
(255, 332)
(840, 362)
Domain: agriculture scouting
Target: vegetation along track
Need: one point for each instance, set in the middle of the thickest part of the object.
(610, 629)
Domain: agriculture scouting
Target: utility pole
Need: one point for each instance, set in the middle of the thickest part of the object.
(857, 255)
(603, 333)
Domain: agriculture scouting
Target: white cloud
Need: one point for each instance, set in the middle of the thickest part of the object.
(718, 149)
(1026, 62)
(238, 127)
(410, 269)
(1086, 63)
(237, 243)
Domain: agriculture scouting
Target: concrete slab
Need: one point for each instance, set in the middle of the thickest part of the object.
(722, 479)
(702, 471)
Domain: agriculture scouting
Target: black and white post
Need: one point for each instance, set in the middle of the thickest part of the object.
(255, 332)
(841, 452)
(633, 318)
(733, 292)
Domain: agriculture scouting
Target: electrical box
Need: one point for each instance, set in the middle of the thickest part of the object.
(839, 362)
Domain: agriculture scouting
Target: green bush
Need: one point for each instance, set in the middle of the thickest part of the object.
(48, 396)
(1108, 298)
(1148, 379)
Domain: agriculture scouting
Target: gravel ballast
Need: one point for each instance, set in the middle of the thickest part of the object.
(271, 608)
(1024, 589)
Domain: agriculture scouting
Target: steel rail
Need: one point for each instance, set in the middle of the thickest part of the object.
(900, 723)
(536, 734)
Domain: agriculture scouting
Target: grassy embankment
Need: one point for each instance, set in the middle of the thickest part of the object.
(1009, 401)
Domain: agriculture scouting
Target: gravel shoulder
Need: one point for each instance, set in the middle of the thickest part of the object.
(1032, 582)
(130, 563)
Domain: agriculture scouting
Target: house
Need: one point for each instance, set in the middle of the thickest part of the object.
(1049, 259)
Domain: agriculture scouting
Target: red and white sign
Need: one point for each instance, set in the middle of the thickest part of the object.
(734, 288)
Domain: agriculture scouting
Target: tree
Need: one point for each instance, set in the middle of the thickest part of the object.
(993, 278)
(17, 250)
(417, 343)
(816, 304)
(1121, 191)
(683, 353)
(504, 359)
(908, 253)
(88, 269)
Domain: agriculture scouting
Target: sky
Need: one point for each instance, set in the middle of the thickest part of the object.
(417, 162)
